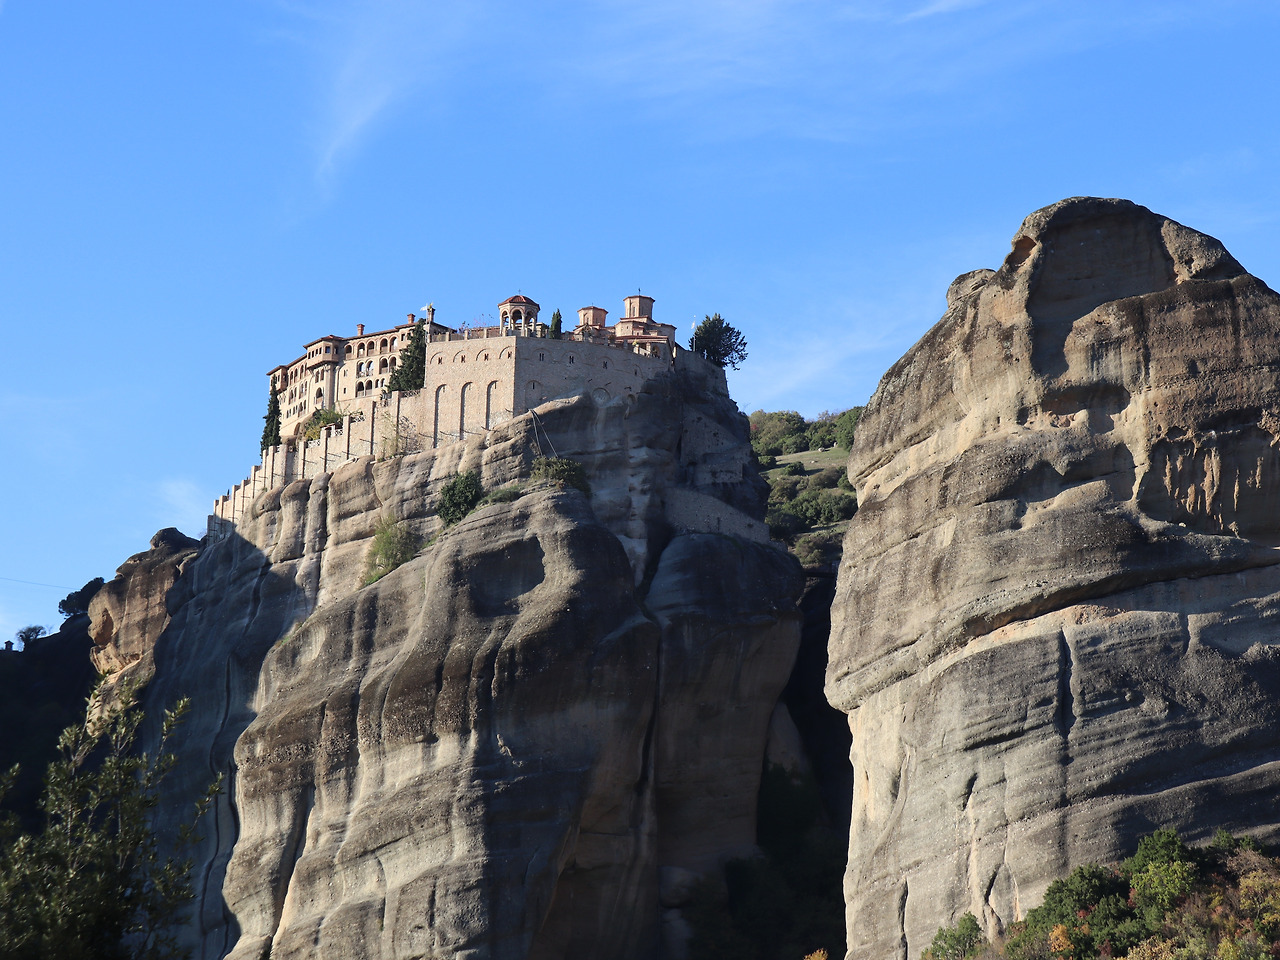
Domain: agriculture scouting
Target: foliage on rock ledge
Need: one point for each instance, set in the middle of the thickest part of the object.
(1166, 902)
(394, 544)
(561, 471)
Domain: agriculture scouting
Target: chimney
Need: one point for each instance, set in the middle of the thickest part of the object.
(412, 318)
(359, 329)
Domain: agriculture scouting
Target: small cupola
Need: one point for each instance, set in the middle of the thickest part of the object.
(517, 309)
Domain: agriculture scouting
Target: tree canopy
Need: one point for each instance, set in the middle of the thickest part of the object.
(77, 601)
(556, 321)
(719, 342)
(93, 882)
(412, 371)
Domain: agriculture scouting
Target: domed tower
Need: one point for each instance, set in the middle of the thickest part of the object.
(517, 309)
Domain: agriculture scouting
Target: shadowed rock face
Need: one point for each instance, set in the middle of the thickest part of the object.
(498, 749)
(1056, 618)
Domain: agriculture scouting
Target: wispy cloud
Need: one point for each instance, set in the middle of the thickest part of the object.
(372, 57)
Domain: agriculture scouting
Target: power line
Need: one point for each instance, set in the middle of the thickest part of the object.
(32, 583)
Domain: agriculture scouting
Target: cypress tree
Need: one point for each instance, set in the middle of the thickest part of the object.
(412, 371)
(271, 432)
(555, 325)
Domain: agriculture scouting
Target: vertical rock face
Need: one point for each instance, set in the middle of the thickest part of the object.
(500, 748)
(1056, 621)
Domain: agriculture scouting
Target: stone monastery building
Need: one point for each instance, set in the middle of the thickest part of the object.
(480, 376)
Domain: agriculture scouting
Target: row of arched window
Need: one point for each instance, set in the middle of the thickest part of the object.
(371, 346)
(385, 365)
(442, 429)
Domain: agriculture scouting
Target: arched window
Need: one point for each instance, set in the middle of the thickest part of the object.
(382, 365)
(517, 315)
(489, 395)
(435, 426)
(360, 350)
(384, 344)
(371, 346)
(368, 385)
(359, 389)
(606, 364)
(462, 410)
(348, 349)
(320, 394)
(393, 363)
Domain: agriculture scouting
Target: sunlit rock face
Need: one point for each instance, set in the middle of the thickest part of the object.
(1056, 620)
(502, 747)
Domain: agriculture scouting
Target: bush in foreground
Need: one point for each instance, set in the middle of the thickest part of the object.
(93, 882)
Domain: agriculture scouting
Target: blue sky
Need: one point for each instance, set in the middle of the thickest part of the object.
(190, 191)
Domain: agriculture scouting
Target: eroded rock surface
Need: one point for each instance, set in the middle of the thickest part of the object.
(1058, 611)
(501, 748)
(130, 611)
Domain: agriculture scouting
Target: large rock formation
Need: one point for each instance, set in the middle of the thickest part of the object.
(1058, 613)
(523, 743)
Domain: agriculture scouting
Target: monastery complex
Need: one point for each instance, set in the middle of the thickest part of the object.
(476, 378)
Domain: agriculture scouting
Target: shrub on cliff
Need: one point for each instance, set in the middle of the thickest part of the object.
(561, 471)
(459, 497)
(394, 544)
(93, 882)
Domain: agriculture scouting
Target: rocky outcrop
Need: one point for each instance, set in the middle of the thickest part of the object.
(129, 612)
(526, 741)
(1056, 619)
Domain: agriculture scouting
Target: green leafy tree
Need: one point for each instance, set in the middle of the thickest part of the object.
(77, 601)
(958, 942)
(845, 424)
(719, 342)
(770, 430)
(459, 497)
(93, 883)
(556, 321)
(271, 432)
(412, 371)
